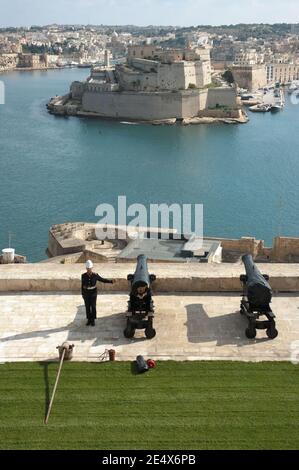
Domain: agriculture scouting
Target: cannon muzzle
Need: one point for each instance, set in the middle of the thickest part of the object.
(141, 277)
(259, 292)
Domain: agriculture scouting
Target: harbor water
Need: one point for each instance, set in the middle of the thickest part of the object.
(56, 169)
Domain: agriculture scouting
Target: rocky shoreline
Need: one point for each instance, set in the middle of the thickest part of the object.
(242, 119)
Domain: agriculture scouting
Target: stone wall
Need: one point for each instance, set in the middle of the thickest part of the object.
(160, 105)
(222, 97)
(172, 76)
(141, 51)
(134, 80)
(193, 102)
(220, 113)
(53, 247)
(148, 75)
(180, 75)
(77, 90)
(47, 277)
(135, 106)
(18, 259)
(145, 65)
(251, 77)
(56, 249)
(285, 249)
(242, 245)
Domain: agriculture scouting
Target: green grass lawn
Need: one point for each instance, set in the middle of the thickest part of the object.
(188, 405)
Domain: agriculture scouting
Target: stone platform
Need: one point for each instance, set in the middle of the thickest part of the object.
(189, 327)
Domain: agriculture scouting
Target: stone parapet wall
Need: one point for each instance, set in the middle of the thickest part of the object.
(242, 245)
(46, 277)
(285, 249)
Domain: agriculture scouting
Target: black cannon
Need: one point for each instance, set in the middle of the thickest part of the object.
(140, 313)
(256, 299)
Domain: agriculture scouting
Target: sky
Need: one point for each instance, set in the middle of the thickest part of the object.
(147, 12)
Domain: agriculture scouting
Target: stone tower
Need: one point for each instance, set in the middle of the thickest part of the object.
(107, 58)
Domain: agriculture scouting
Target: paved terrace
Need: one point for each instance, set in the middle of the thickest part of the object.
(197, 313)
(189, 327)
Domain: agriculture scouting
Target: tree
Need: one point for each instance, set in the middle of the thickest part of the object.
(228, 76)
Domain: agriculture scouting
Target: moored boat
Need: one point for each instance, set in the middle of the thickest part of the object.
(294, 86)
(260, 108)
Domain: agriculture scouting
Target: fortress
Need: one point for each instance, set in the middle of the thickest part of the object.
(153, 85)
(75, 242)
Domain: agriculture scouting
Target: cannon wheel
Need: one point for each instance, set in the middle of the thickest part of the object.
(129, 332)
(272, 332)
(250, 333)
(150, 332)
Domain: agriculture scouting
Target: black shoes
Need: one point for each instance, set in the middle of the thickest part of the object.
(90, 323)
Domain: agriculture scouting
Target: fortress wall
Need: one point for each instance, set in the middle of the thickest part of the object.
(144, 65)
(58, 247)
(77, 90)
(179, 75)
(139, 51)
(191, 74)
(199, 75)
(130, 105)
(222, 97)
(193, 102)
(251, 77)
(54, 248)
(221, 113)
(203, 99)
(205, 75)
(149, 82)
(172, 76)
(137, 81)
(149, 106)
(190, 105)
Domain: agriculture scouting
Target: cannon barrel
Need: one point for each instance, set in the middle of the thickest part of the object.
(259, 292)
(141, 277)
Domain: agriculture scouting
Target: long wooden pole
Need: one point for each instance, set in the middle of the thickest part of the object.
(55, 386)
